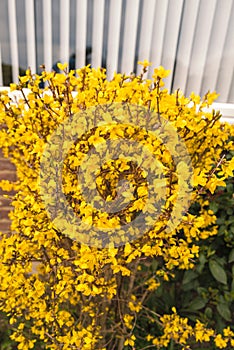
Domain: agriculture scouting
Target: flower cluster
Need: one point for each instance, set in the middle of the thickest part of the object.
(177, 328)
(61, 292)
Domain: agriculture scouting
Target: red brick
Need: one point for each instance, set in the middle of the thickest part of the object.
(7, 175)
(11, 193)
(4, 212)
(7, 172)
(5, 225)
(4, 202)
(5, 164)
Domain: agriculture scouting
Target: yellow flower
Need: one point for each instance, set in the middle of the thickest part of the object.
(220, 342)
(160, 73)
(144, 63)
(62, 66)
(96, 138)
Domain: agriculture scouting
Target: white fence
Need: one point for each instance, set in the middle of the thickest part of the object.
(192, 38)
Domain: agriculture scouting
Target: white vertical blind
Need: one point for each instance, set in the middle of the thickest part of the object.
(13, 40)
(30, 33)
(200, 45)
(158, 34)
(226, 110)
(47, 33)
(226, 71)
(64, 30)
(146, 31)
(130, 34)
(81, 21)
(171, 37)
(193, 38)
(97, 33)
(216, 45)
(185, 44)
(1, 77)
(113, 37)
(231, 91)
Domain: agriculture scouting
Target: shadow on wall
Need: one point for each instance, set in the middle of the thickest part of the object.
(72, 60)
(7, 73)
(7, 68)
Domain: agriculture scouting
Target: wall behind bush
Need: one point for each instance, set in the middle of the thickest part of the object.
(7, 172)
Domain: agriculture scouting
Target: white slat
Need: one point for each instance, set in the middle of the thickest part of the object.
(47, 33)
(97, 33)
(64, 30)
(1, 77)
(226, 110)
(147, 24)
(226, 72)
(13, 40)
(30, 33)
(130, 34)
(216, 45)
(200, 45)
(185, 44)
(157, 41)
(171, 37)
(231, 91)
(113, 37)
(81, 21)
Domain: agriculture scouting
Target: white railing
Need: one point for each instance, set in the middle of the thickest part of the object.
(192, 38)
(226, 109)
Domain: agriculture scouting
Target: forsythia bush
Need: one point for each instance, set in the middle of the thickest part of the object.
(60, 293)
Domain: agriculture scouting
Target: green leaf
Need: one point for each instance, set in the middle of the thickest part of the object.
(202, 261)
(232, 286)
(209, 312)
(231, 256)
(222, 229)
(229, 188)
(191, 285)
(224, 311)
(197, 304)
(217, 271)
(189, 275)
(220, 221)
(214, 207)
(171, 346)
(202, 291)
(154, 265)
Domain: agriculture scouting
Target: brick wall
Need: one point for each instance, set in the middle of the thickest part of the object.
(7, 172)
